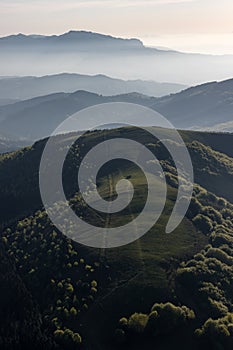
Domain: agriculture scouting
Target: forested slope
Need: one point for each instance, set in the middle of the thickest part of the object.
(74, 296)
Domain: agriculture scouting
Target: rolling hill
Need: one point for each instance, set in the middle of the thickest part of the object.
(38, 117)
(23, 88)
(212, 163)
(206, 106)
(7, 101)
(203, 106)
(82, 293)
(75, 40)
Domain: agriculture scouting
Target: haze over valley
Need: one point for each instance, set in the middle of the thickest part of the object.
(204, 107)
(91, 53)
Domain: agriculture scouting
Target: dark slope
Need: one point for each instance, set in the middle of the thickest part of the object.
(20, 195)
(21, 325)
(124, 275)
(88, 290)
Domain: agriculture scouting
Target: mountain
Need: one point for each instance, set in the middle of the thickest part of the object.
(205, 106)
(38, 117)
(86, 52)
(8, 145)
(7, 101)
(211, 156)
(160, 291)
(23, 88)
(76, 40)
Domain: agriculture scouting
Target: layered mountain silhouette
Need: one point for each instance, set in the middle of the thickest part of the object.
(86, 52)
(38, 117)
(23, 88)
(7, 101)
(75, 39)
(205, 106)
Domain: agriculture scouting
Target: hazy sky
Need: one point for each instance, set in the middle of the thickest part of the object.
(188, 25)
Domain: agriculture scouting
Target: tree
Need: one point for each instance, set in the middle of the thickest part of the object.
(171, 316)
(73, 312)
(203, 223)
(217, 333)
(77, 339)
(137, 322)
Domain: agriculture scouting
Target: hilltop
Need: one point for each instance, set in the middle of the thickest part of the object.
(81, 292)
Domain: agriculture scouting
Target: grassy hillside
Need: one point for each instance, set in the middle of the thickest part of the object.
(82, 293)
(20, 195)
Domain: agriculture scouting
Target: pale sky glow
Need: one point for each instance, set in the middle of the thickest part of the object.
(188, 25)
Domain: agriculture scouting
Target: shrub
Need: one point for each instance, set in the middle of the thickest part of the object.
(217, 308)
(94, 284)
(73, 312)
(171, 316)
(137, 322)
(123, 323)
(220, 239)
(77, 339)
(219, 255)
(217, 333)
(58, 334)
(194, 208)
(152, 323)
(203, 223)
(69, 288)
(213, 214)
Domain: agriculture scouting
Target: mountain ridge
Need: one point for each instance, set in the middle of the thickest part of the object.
(83, 51)
(203, 106)
(23, 88)
(72, 36)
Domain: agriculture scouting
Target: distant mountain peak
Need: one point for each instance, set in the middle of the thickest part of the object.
(82, 34)
(73, 36)
(84, 94)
